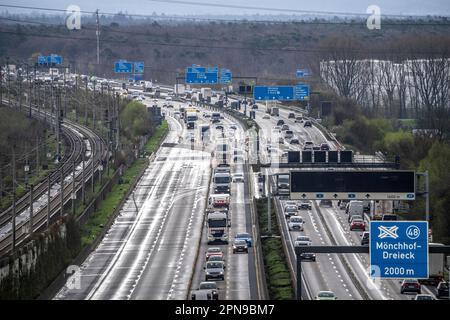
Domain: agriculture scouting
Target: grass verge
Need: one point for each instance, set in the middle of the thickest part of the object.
(279, 282)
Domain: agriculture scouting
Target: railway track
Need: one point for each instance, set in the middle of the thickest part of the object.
(80, 140)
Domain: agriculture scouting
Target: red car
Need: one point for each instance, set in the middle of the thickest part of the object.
(358, 224)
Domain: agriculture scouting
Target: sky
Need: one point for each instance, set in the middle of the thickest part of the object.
(390, 7)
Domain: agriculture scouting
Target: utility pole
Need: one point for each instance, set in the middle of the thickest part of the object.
(98, 38)
(74, 193)
(83, 191)
(62, 191)
(48, 200)
(14, 199)
(86, 103)
(92, 174)
(30, 231)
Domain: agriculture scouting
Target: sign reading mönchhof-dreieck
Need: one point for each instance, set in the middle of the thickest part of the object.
(399, 249)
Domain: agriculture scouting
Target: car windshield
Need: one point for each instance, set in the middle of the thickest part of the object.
(326, 294)
(297, 219)
(208, 285)
(214, 250)
(240, 242)
(213, 264)
(291, 208)
(222, 179)
(242, 235)
(302, 238)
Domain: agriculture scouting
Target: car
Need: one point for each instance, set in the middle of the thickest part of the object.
(296, 223)
(423, 297)
(215, 257)
(206, 115)
(302, 241)
(357, 224)
(284, 127)
(387, 217)
(442, 290)
(288, 134)
(299, 120)
(325, 295)
(307, 124)
(290, 211)
(343, 204)
(316, 148)
(206, 289)
(280, 140)
(255, 107)
(238, 177)
(290, 203)
(277, 128)
(240, 245)
(365, 238)
(309, 143)
(305, 205)
(280, 122)
(244, 236)
(266, 116)
(410, 285)
(307, 148)
(233, 126)
(291, 115)
(325, 203)
(214, 270)
(219, 127)
(353, 217)
(294, 141)
(213, 251)
(215, 121)
(324, 147)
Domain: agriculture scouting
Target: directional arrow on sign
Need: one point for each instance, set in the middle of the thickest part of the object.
(367, 196)
(335, 195)
(303, 196)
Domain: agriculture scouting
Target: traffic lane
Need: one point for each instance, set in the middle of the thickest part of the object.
(98, 261)
(168, 273)
(341, 237)
(328, 272)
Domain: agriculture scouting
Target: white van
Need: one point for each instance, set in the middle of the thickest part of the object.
(355, 208)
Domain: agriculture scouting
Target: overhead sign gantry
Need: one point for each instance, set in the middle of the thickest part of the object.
(352, 185)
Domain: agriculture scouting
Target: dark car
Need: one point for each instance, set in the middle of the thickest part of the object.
(410, 285)
(442, 290)
(326, 203)
(307, 124)
(324, 147)
(308, 256)
(365, 238)
(291, 115)
(255, 107)
(294, 141)
(240, 245)
(280, 122)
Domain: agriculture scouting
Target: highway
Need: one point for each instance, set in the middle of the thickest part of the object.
(240, 274)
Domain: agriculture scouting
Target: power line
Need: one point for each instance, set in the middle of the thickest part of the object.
(272, 9)
(244, 20)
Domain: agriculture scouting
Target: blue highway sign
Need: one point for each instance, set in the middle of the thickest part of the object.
(303, 73)
(201, 75)
(225, 76)
(399, 249)
(42, 60)
(139, 67)
(273, 93)
(301, 92)
(54, 59)
(123, 67)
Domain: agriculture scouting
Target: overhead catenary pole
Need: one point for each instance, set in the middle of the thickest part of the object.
(30, 231)
(48, 200)
(13, 217)
(98, 38)
(74, 192)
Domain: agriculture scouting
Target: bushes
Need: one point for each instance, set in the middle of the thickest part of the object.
(279, 282)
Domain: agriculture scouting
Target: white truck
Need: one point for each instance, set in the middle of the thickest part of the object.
(355, 208)
(179, 89)
(206, 92)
